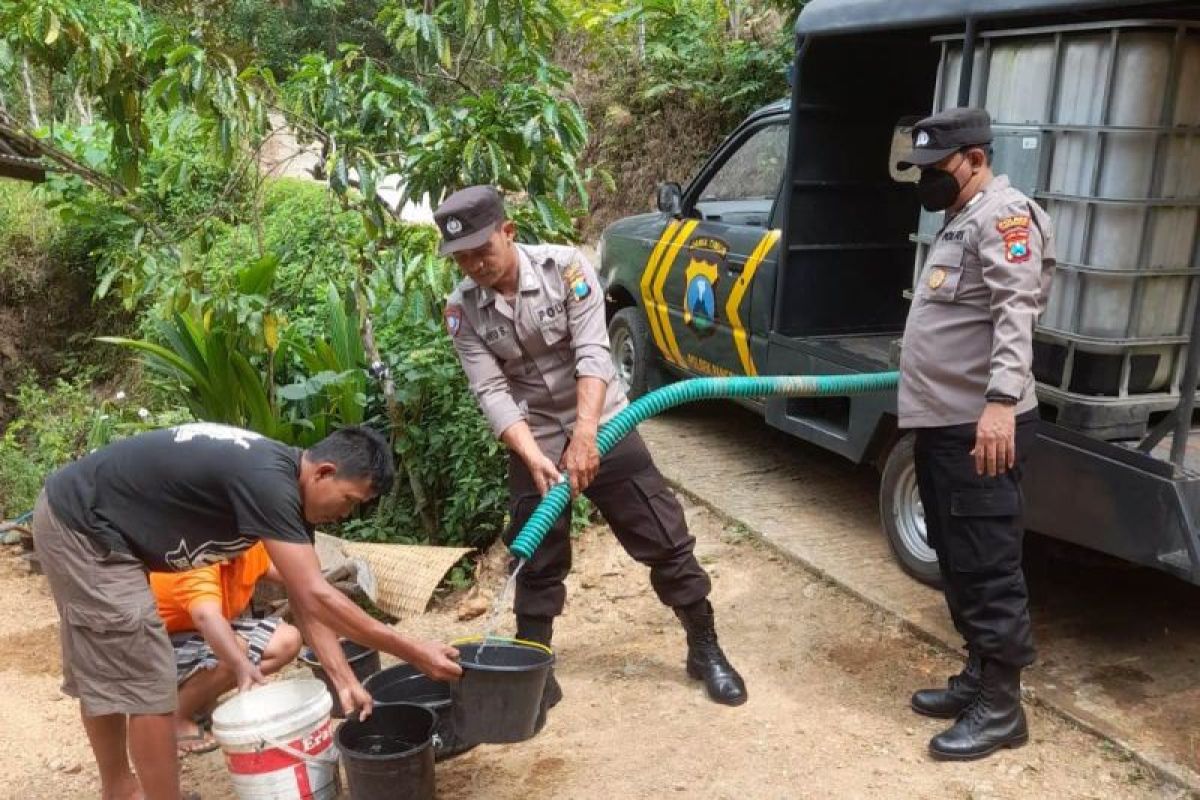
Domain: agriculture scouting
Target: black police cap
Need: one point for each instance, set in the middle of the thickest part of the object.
(938, 136)
(468, 218)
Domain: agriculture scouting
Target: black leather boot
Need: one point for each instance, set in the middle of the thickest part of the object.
(705, 661)
(994, 719)
(541, 630)
(960, 691)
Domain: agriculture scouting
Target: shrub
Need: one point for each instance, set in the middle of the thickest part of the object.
(57, 425)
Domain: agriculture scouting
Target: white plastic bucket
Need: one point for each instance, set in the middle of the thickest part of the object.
(277, 742)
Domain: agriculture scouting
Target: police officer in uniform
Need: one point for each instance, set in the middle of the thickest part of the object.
(967, 390)
(528, 323)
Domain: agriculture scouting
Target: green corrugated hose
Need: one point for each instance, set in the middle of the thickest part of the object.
(658, 401)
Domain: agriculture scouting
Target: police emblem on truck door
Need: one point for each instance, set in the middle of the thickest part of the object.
(706, 254)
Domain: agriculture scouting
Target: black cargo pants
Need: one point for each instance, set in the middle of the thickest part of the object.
(634, 499)
(974, 524)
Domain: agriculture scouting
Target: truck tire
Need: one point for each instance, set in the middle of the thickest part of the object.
(629, 337)
(904, 517)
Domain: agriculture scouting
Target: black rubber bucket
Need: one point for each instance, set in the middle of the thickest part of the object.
(363, 661)
(389, 754)
(498, 698)
(404, 683)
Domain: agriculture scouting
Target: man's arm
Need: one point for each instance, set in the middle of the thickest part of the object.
(582, 458)
(594, 369)
(1011, 251)
(218, 633)
(272, 576)
(484, 375)
(324, 641)
(325, 611)
(519, 439)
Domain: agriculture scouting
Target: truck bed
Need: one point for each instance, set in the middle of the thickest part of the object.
(862, 353)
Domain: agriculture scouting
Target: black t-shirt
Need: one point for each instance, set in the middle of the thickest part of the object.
(181, 498)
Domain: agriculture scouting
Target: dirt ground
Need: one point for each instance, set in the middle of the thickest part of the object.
(829, 680)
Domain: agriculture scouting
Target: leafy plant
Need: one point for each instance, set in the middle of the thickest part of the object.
(225, 352)
(58, 424)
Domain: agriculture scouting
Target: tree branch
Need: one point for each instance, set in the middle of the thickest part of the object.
(98, 180)
(29, 93)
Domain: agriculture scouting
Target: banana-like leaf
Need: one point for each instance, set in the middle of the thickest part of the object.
(162, 354)
(250, 385)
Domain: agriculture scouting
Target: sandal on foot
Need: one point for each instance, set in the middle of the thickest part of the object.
(195, 743)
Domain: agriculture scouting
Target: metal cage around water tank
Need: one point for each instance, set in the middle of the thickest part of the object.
(1101, 124)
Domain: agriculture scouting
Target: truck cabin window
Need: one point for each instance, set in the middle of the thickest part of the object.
(743, 189)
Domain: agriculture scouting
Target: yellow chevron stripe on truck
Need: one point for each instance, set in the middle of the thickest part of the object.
(740, 339)
(685, 232)
(647, 284)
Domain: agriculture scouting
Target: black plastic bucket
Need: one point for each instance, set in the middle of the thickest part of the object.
(404, 683)
(389, 754)
(363, 661)
(498, 698)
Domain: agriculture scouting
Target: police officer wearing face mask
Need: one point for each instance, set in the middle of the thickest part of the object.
(528, 324)
(967, 390)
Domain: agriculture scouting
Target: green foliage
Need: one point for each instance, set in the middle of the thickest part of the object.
(302, 223)
(51, 429)
(129, 64)
(275, 32)
(26, 227)
(444, 444)
(46, 283)
(226, 350)
(57, 425)
(183, 183)
(723, 56)
(254, 296)
(468, 95)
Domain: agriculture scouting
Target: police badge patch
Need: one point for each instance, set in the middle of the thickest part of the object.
(453, 318)
(576, 282)
(1015, 230)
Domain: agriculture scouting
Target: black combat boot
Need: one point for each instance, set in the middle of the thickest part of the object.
(705, 661)
(948, 703)
(541, 630)
(994, 719)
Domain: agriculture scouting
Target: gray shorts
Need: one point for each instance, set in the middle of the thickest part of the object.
(116, 655)
(193, 654)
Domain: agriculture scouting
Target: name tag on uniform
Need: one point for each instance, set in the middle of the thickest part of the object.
(953, 236)
(548, 313)
(493, 335)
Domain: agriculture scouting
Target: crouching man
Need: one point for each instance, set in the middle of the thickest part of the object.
(218, 647)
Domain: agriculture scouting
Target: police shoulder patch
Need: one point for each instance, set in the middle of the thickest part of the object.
(1015, 230)
(453, 319)
(1013, 222)
(576, 281)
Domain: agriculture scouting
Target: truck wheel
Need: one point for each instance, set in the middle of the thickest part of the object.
(629, 337)
(903, 515)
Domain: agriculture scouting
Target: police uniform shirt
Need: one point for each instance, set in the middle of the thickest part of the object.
(969, 334)
(522, 359)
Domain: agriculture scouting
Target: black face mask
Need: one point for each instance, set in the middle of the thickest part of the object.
(937, 190)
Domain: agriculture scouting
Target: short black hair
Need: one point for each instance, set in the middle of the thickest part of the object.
(358, 452)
